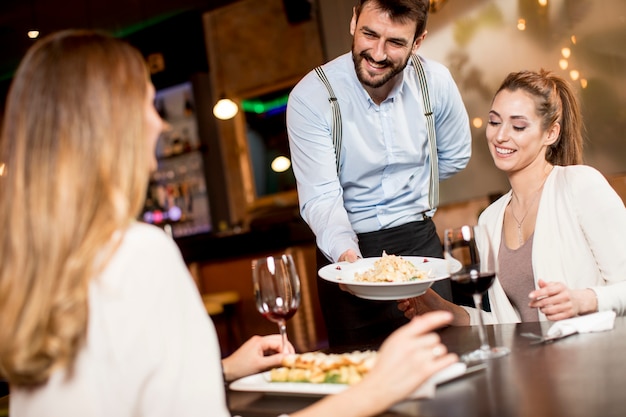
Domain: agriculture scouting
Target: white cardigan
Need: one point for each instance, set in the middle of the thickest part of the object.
(580, 240)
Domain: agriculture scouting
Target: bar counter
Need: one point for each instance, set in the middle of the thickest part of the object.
(580, 376)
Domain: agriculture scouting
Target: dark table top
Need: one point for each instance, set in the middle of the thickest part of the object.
(580, 376)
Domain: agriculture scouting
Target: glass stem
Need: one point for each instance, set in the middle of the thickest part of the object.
(282, 327)
(478, 302)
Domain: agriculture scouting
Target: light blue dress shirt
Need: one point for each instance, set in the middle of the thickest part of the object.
(384, 166)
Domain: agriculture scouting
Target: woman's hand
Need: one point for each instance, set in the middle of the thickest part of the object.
(407, 358)
(256, 355)
(558, 302)
(431, 301)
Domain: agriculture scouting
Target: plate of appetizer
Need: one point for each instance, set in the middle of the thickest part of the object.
(319, 374)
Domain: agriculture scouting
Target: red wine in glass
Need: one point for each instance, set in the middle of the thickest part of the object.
(279, 314)
(470, 249)
(474, 283)
(276, 290)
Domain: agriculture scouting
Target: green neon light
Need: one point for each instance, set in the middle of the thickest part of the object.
(259, 107)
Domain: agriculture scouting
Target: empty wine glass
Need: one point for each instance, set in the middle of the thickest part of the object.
(276, 290)
(471, 247)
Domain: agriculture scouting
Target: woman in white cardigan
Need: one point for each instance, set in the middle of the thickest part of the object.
(558, 233)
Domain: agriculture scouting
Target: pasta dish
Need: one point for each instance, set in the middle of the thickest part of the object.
(391, 268)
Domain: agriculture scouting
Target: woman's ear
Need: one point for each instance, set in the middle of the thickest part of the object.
(553, 134)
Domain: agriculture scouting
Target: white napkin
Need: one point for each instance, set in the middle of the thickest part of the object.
(595, 322)
(427, 389)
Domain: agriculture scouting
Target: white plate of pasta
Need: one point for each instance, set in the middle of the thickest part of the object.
(389, 277)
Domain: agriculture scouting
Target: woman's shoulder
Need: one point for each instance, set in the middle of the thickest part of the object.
(137, 228)
(583, 186)
(145, 234)
(577, 171)
(579, 177)
(143, 242)
(146, 254)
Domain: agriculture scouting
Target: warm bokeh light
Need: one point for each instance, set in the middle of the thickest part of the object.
(574, 74)
(566, 52)
(477, 122)
(33, 34)
(563, 64)
(280, 164)
(521, 24)
(583, 82)
(543, 3)
(2, 167)
(573, 39)
(225, 109)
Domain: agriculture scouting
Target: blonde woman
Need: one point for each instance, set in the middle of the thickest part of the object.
(98, 313)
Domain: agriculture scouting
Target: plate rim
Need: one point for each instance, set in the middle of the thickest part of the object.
(451, 373)
(248, 384)
(383, 284)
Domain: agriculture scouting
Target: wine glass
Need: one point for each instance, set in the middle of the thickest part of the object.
(276, 290)
(471, 247)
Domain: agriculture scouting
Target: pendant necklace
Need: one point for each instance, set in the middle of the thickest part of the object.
(519, 222)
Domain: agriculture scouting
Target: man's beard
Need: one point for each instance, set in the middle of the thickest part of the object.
(392, 70)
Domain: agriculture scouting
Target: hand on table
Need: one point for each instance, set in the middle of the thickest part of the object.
(256, 355)
(558, 302)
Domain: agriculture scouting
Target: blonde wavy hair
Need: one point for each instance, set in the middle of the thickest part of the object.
(77, 163)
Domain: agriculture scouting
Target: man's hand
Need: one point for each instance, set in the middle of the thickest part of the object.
(348, 256)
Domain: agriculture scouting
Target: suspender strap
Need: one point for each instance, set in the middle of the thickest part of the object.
(433, 189)
(433, 186)
(334, 105)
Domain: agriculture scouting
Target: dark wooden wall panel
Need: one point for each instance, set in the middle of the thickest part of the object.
(252, 46)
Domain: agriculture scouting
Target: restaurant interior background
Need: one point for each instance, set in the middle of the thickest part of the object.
(254, 51)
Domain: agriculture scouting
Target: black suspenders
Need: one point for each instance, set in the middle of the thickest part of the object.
(433, 189)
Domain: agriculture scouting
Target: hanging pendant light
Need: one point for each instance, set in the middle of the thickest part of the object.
(225, 109)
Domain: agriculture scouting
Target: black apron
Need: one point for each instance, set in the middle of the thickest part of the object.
(352, 321)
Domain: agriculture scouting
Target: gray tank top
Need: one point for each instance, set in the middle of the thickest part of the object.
(515, 273)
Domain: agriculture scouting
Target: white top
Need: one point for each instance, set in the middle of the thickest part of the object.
(151, 348)
(578, 240)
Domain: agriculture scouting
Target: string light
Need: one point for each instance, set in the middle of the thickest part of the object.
(477, 122)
